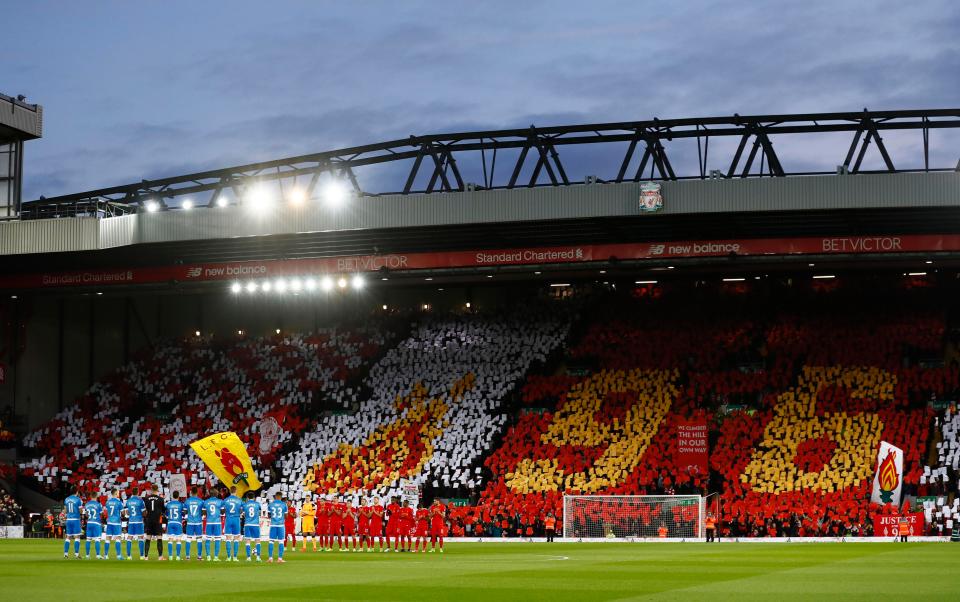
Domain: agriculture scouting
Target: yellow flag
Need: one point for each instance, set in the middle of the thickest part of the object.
(226, 456)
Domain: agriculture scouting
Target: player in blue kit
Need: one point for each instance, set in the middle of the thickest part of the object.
(94, 512)
(251, 524)
(174, 514)
(135, 523)
(114, 532)
(193, 508)
(232, 509)
(278, 513)
(72, 507)
(212, 507)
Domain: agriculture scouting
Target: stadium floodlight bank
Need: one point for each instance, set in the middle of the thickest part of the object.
(620, 517)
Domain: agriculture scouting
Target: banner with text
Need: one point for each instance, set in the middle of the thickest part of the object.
(226, 456)
(206, 272)
(692, 453)
(889, 524)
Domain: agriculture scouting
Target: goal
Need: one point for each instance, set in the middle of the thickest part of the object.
(633, 516)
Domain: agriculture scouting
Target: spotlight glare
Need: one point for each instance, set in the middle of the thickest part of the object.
(357, 281)
(310, 284)
(297, 196)
(334, 194)
(251, 287)
(267, 286)
(384, 306)
(278, 331)
(259, 199)
(327, 283)
(152, 206)
(186, 205)
(196, 332)
(342, 282)
(467, 304)
(295, 285)
(221, 201)
(236, 287)
(281, 285)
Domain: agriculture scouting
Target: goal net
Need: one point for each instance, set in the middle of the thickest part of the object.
(629, 516)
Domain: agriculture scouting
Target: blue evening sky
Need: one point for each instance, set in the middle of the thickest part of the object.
(145, 89)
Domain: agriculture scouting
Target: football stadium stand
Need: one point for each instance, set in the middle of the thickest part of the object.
(511, 409)
(135, 426)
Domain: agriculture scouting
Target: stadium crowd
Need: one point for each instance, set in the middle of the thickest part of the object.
(136, 425)
(506, 412)
(11, 514)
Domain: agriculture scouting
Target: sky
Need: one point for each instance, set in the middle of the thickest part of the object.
(139, 90)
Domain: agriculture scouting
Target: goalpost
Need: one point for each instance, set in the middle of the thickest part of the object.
(633, 516)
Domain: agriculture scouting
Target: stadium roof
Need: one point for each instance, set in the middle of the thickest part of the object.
(630, 151)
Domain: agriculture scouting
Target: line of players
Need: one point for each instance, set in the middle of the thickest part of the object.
(204, 522)
(329, 523)
(337, 524)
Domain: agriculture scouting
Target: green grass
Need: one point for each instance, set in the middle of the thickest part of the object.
(35, 570)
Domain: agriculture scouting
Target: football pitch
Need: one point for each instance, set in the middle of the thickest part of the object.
(35, 570)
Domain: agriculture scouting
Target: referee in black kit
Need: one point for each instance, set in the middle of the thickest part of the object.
(152, 513)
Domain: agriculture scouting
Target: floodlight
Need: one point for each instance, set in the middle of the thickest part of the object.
(186, 205)
(236, 287)
(281, 285)
(221, 201)
(297, 196)
(342, 282)
(152, 206)
(258, 198)
(310, 284)
(251, 287)
(334, 194)
(267, 286)
(327, 283)
(357, 281)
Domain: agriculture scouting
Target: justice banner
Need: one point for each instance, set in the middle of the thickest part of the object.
(889, 524)
(888, 481)
(692, 452)
(226, 455)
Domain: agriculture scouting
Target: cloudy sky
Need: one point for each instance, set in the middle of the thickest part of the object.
(136, 90)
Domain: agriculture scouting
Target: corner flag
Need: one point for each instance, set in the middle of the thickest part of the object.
(226, 456)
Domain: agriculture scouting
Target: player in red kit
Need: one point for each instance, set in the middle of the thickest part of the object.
(437, 525)
(406, 525)
(290, 525)
(323, 523)
(376, 525)
(336, 523)
(422, 530)
(349, 522)
(393, 524)
(363, 525)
